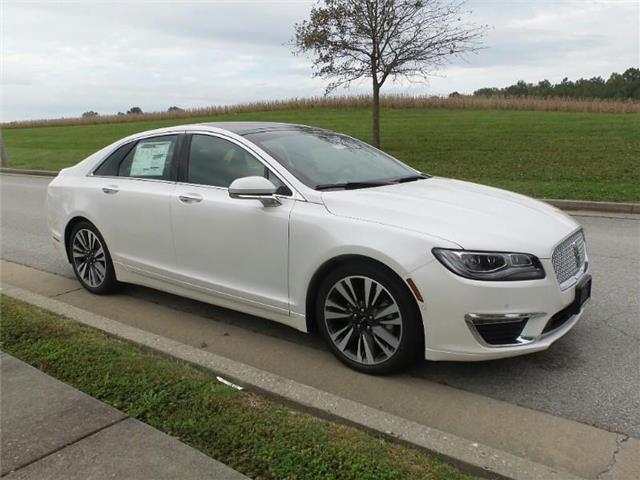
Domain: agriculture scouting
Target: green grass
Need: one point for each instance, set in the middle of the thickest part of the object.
(590, 156)
(247, 432)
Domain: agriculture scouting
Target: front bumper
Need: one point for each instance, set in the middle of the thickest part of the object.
(449, 300)
(58, 246)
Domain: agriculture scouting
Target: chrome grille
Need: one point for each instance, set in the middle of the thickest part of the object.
(569, 258)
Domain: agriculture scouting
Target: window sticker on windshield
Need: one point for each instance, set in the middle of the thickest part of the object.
(150, 159)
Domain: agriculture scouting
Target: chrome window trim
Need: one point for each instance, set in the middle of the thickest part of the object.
(294, 192)
(132, 140)
(157, 180)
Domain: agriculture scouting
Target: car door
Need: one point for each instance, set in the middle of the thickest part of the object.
(130, 200)
(234, 248)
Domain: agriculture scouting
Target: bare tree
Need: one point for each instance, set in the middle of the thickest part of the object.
(381, 39)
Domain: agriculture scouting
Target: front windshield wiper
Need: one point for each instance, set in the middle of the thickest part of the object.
(379, 183)
(351, 185)
(411, 178)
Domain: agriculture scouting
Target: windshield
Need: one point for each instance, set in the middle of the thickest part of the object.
(321, 159)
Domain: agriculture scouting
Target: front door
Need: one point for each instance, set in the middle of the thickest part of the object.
(234, 248)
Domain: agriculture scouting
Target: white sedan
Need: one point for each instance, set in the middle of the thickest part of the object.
(320, 231)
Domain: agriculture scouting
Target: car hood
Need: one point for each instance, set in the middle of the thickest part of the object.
(475, 217)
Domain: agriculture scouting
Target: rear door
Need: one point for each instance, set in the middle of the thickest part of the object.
(233, 248)
(130, 198)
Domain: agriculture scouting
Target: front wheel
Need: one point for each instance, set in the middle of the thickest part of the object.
(91, 260)
(369, 319)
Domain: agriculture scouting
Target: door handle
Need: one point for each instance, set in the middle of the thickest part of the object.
(111, 189)
(190, 198)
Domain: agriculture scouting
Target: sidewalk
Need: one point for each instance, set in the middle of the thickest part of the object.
(51, 430)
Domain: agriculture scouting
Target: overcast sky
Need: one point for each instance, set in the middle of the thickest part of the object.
(63, 58)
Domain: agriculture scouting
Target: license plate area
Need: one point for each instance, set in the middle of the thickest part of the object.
(582, 294)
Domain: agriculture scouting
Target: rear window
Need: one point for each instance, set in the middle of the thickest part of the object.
(148, 158)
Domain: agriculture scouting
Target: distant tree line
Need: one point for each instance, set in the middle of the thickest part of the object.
(625, 85)
(131, 111)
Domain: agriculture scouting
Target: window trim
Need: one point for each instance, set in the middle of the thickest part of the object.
(185, 158)
(175, 158)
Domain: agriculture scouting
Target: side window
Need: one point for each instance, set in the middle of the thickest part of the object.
(150, 158)
(109, 168)
(218, 162)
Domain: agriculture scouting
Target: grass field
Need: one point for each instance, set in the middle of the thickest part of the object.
(590, 156)
(254, 435)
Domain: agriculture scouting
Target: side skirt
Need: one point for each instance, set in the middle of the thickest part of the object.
(139, 277)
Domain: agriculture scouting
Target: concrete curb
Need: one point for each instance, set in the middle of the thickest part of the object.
(39, 173)
(469, 456)
(607, 207)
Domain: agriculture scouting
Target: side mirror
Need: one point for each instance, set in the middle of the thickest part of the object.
(254, 188)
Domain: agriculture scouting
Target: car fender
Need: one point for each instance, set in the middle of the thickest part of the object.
(317, 236)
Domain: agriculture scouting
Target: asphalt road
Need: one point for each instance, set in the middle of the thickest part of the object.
(592, 375)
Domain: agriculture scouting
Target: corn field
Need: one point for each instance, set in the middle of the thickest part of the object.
(360, 101)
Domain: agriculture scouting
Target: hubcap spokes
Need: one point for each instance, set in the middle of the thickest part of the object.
(363, 320)
(89, 258)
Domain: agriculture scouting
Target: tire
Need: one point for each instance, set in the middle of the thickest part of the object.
(380, 335)
(91, 260)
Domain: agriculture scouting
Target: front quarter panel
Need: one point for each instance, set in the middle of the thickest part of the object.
(317, 236)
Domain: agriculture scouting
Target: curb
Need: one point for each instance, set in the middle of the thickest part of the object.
(39, 173)
(469, 456)
(606, 207)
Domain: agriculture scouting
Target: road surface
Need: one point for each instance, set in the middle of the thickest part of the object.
(592, 375)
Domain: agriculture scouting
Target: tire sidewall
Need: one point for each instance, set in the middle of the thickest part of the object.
(109, 283)
(412, 330)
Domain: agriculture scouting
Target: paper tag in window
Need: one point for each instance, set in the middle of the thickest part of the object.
(150, 159)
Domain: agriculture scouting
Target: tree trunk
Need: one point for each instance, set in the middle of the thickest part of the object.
(4, 161)
(376, 114)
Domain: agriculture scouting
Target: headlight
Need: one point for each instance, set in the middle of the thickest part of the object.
(496, 266)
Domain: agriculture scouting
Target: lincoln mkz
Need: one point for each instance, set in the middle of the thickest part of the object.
(320, 231)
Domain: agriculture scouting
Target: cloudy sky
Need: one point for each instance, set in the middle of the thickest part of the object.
(63, 58)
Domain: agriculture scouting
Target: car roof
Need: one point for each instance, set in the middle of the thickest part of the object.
(244, 128)
(237, 128)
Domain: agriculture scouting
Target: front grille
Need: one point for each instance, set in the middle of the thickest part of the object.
(503, 333)
(569, 257)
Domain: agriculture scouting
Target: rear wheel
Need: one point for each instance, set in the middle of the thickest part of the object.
(91, 260)
(368, 318)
